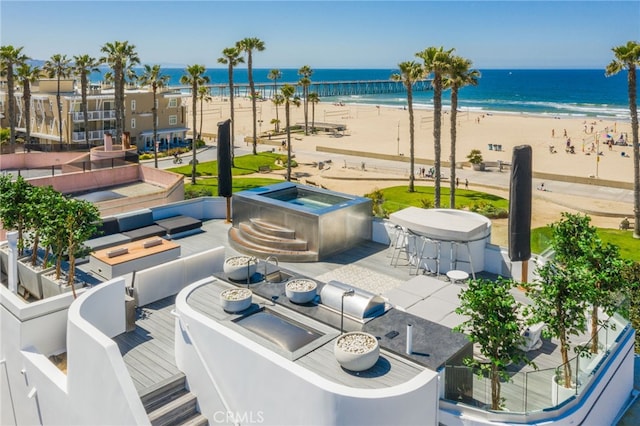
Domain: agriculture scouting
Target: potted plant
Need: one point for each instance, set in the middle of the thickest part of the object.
(475, 158)
(493, 323)
(357, 351)
(235, 300)
(240, 268)
(558, 295)
(301, 290)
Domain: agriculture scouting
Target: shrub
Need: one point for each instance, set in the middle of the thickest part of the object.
(197, 192)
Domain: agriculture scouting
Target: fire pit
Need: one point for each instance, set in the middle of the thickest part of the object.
(357, 351)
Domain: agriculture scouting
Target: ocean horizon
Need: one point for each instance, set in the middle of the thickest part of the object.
(544, 92)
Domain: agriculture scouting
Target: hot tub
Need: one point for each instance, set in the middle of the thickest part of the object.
(328, 221)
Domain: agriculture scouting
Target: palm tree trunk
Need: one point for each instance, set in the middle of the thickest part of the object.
(411, 139)
(27, 111)
(313, 116)
(286, 111)
(83, 85)
(306, 110)
(155, 126)
(437, 128)
(253, 103)
(452, 159)
(233, 131)
(275, 92)
(12, 105)
(633, 107)
(201, 117)
(194, 105)
(59, 111)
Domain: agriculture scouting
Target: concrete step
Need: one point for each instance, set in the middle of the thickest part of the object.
(176, 411)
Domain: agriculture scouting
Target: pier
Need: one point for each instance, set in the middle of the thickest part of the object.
(322, 88)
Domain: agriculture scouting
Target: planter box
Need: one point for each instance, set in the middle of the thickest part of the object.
(479, 167)
(4, 258)
(52, 287)
(31, 278)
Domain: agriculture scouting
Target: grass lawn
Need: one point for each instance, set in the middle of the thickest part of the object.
(210, 186)
(244, 165)
(629, 246)
(397, 198)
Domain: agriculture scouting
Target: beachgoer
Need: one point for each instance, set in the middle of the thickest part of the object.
(466, 184)
(553, 133)
(565, 133)
(457, 182)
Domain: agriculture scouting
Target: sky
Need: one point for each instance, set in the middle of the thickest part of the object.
(329, 34)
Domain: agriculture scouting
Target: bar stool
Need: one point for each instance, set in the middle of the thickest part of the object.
(402, 245)
(427, 249)
(393, 232)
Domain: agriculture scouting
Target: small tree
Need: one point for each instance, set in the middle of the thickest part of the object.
(13, 198)
(81, 219)
(631, 275)
(475, 156)
(494, 324)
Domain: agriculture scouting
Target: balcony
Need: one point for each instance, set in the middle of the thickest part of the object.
(93, 135)
(95, 115)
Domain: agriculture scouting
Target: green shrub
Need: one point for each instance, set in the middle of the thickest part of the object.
(197, 192)
(426, 203)
(146, 156)
(489, 210)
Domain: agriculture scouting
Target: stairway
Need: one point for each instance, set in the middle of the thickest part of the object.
(258, 237)
(170, 403)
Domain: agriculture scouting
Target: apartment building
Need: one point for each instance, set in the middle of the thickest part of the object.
(172, 119)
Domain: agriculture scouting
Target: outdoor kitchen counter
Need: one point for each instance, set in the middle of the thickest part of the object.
(434, 345)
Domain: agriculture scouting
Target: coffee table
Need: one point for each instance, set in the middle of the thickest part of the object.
(134, 256)
(455, 275)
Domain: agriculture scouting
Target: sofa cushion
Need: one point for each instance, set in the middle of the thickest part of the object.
(106, 241)
(135, 219)
(178, 224)
(145, 232)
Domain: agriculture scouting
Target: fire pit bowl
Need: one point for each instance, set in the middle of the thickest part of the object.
(357, 351)
(235, 299)
(235, 267)
(301, 290)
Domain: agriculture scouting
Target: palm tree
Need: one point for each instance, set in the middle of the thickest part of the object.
(314, 99)
(287, 92)
(410, 72)
(305, 73)
(436, 61)
(231, 57)
(459, 75)
(204, 95)
(59, 67)
(195, 78)
(627, 57)
(27, 74)
(121, 57)
(248, 45)
(152, 76)
(83, 66)
(275, 74)
(11, 57)
(277, 100)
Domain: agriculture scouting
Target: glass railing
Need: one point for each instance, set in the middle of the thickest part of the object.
(536, 389)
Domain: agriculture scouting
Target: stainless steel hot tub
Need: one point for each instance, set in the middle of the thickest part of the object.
(328, 221)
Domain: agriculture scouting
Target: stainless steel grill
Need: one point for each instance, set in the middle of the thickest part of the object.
(361, 306)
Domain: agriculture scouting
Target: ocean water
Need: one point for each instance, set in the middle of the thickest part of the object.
(561, 93)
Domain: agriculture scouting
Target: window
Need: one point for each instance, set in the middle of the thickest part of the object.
(133, 105)
(133, 123)
(173, 120)
(173, 103)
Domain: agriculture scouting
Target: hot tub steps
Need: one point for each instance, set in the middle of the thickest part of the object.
(260, 238)
(271, 229)
(257, 236)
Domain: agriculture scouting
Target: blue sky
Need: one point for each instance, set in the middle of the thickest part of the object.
(330, 34)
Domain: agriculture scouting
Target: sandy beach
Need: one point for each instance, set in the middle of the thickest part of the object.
(386, 131)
